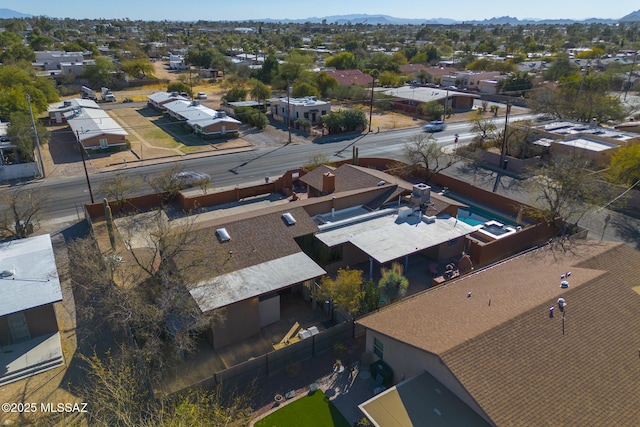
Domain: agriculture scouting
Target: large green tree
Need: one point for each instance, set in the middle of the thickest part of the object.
(345, 290)
(16, 83)
(100, 73)
(22, 135)
(342, 61)
(625, 165)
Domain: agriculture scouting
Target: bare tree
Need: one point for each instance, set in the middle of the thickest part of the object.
(425, 157)
(21, 211)
(167, 182)
(119, 395)
(143, 289)
(563, 191)
(120, 187)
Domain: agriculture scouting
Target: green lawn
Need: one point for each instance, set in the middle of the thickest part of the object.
(315, 410)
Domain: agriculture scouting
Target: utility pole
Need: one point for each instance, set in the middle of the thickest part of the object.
(373, 83)
(630, 74)
(446, 105)
(86, 173)
(289, 91)
(35, 132)
(503, 152)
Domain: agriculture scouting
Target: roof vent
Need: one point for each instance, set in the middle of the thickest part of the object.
(6, 273)
(223, 235)
(564, 284)
(289, 219)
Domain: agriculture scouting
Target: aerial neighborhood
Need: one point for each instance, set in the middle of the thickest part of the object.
(356, 220)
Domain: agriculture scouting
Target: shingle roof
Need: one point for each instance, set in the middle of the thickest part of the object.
(513, 358)
(258, 238)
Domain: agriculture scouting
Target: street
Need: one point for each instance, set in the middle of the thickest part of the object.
(68, 194)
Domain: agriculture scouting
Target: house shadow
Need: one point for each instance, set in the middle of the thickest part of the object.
(63, 147)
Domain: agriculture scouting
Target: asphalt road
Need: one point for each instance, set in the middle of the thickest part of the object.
(67, 195)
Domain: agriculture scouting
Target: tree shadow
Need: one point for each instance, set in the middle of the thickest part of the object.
(627, 229)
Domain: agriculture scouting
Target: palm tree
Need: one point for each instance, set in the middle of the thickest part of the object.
(393, 284)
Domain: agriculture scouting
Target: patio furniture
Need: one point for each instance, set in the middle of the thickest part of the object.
(290, 394)
(313, 387)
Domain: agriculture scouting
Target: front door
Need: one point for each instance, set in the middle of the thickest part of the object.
(18, 328)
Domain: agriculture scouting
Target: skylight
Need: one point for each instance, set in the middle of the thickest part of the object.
(223, 235)
(289, 219)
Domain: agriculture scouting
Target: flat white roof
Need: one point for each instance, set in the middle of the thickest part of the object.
(256, 280)
(34, 278)
(586, 144)
(388, 237)
(91, 123)
(425, 94)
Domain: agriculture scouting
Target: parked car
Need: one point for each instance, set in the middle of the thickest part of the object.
(186, 179)
(201, 95)
(435, 126)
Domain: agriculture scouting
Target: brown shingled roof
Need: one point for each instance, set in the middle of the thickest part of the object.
(513, 358)
(259, 238)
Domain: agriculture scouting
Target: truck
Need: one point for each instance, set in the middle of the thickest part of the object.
(87, 93)
(107, 95)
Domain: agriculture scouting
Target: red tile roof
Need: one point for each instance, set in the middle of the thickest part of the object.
(351, 77)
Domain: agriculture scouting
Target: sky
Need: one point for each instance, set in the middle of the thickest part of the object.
(211, 10)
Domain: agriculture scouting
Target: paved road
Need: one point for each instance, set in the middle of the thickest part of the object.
(69, 193)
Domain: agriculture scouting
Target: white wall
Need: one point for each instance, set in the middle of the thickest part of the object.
(22, 170)
(269, 310)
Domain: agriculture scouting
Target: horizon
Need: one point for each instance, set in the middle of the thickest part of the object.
(254, 10)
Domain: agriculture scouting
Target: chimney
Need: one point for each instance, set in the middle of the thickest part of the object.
(328, 183)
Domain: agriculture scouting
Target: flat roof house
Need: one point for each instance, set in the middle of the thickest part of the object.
(203, 120)
(545, 338)
(96, 130)
(308, 107)
(60, 113)
(29, 287)
(159, 99)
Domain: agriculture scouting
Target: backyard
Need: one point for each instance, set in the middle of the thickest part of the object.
(313, 410)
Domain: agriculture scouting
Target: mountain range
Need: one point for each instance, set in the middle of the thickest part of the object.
(390, 20)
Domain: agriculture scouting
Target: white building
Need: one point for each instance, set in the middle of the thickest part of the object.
(308, 108)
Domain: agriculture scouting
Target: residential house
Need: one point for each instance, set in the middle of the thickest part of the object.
(29, 288)
(540, 339)
(159, 99)
(60, 113)
(351, 77)
(94, 129)
(415, 70)
(52, 60)
(203, 120)
(176, 62)
(408, 98)
(309, 108)
(593, 142)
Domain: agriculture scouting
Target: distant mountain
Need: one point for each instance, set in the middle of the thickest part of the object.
(9, 14)
(367, 19)
(390, 20)
(632, 17)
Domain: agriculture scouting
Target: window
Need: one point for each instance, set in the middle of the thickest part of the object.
(297, 115)
(323, 112)
(104, 143)
(378, 348)
(306, 115)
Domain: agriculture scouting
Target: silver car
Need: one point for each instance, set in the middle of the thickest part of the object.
(186, 179)
(435, 126)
